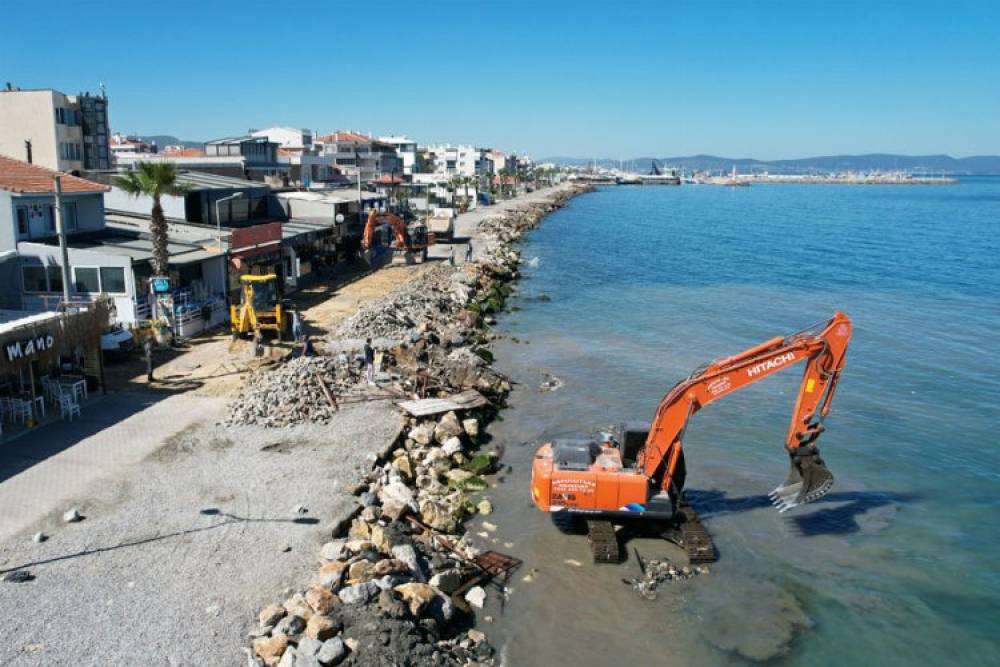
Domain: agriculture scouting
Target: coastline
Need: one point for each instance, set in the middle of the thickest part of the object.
(400, 579)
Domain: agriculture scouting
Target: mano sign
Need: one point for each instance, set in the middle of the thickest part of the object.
(29, 347)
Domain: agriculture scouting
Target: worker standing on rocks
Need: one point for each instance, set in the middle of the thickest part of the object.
(468, 251)
(369, 361)
(451, 255)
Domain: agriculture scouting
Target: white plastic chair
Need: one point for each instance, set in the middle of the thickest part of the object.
(21, 410)
(68, 408)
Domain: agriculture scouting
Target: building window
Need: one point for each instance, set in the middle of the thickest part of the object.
(55, 278)
(33, 278)
(112, 280)
(86, 280)
(69, 151)
(22, 221)
(70, 222)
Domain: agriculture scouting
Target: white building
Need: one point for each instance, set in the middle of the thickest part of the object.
(448, 160)
(356, 153)
(406, 149)
(289, 138)
(57, 131)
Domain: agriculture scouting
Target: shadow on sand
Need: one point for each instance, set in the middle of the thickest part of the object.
(228, 519)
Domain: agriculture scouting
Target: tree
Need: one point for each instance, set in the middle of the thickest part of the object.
(154, 179)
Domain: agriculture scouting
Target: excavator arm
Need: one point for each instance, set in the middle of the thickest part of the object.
(822, 348)
(376, 218)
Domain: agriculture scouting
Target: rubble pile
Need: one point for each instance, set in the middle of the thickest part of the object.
(290, 393)
(398, 584)
(656, 572)
(391, 317)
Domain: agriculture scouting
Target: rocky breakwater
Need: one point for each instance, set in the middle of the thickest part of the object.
(400, 582)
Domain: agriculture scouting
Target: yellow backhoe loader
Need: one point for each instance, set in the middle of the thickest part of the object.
(260, 307)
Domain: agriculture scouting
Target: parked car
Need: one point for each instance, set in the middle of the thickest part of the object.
(117, 340)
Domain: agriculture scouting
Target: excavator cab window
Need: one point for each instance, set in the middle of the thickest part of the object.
(632, 439)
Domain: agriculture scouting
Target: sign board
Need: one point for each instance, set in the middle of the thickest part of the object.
(28, 347)
(160, 284)
(255, 240)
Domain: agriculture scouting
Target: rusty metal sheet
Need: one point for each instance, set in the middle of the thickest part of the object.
(431, 406)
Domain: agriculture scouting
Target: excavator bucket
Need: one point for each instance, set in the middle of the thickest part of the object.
(808, 480)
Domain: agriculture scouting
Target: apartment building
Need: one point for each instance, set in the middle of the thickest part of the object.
(406, 150)
(67, 133)
(354, 153)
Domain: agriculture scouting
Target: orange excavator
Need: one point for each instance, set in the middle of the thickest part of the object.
(412, 242)
(639, 473)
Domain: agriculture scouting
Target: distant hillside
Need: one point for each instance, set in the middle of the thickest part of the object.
(933, 164)
(169, 140)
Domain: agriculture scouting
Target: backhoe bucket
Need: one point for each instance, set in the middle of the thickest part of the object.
(808, 480)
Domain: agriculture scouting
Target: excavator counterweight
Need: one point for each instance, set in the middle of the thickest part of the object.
(614, 480)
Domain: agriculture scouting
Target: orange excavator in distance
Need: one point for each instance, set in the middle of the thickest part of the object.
(637, 475)
(411, 241)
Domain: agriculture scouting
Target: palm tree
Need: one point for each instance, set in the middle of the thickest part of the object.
(154, 179)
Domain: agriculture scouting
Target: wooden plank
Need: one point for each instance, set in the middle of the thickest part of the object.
(431, 406)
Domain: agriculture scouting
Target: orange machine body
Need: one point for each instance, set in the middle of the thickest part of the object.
(415, 240)
(595, 478)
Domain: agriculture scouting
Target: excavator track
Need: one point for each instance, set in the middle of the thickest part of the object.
(694, 538)
(604, 543)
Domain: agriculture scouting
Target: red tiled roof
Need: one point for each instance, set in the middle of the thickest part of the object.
(389, 179)
(18, 176)
(342, 136)
(184, 152)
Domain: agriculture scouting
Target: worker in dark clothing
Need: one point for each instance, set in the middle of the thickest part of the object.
(307, 347)
(468, 251)
(147, 349)
(369, 361)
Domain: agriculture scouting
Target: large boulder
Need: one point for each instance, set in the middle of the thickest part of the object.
(321, 600)
(270, 649)
(422, 434)
(416, 595)
(332, 652)
(333, 550)
(406, 554)
(397, 493)
(471, 427)
(447, 427)
(358, 593)
(322, 627)
(452, 445)
(270, 615)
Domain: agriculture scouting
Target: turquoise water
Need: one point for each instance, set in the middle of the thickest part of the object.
(901, 562)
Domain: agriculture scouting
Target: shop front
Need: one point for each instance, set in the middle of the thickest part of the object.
(49, 362)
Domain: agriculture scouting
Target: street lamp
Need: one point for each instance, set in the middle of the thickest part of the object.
(218, 216)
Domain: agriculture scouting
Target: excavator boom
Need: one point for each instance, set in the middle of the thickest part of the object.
(612, 479)
(822, 347)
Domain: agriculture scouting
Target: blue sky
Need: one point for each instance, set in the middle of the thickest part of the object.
(614, 79)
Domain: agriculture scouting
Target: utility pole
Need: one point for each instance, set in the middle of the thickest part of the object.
(61, 232)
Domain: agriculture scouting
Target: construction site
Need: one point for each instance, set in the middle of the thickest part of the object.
(278, 505)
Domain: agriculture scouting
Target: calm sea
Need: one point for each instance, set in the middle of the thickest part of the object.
(634, 287)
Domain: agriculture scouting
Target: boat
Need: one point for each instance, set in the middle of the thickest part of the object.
(658, 176)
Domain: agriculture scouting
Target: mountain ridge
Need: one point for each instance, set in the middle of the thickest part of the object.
(936, 164)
